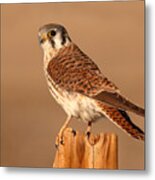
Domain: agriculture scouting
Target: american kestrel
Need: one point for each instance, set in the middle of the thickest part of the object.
(79, 86)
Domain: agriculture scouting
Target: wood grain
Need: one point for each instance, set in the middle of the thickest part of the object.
(79, 151)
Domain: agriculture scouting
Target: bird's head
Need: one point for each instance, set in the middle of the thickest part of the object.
(53, 37)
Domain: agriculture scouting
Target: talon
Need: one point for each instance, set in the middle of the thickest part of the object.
(56, 146)
(88, 134)
(74, 132)
(61, 142)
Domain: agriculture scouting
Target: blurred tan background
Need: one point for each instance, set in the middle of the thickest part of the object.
(111, 33)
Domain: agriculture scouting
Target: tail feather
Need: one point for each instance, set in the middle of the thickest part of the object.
(121, 119)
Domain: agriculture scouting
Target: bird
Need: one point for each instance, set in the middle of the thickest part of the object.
(80, 88)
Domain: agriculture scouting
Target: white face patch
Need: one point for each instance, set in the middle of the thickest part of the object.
(46, 45)
(49, 52)
(58, 39)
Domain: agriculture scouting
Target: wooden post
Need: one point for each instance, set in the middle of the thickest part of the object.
(99, 151)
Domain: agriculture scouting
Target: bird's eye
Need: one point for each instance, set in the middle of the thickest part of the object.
(53, 33)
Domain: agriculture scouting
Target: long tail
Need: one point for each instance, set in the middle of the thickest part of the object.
(121, 119)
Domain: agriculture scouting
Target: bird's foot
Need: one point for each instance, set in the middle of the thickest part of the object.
(88, 131)
(74, 132)
(88, 134)
(59, 139)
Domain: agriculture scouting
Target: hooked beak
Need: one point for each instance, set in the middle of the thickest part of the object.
(43, 38)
